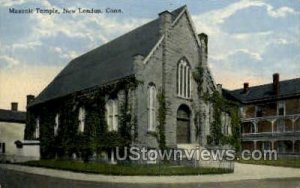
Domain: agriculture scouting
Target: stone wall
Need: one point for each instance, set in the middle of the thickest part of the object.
(149, 72)
(179, 42)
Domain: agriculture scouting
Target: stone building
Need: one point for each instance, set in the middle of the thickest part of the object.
(146, 75)
(12, 125)
(270, 116)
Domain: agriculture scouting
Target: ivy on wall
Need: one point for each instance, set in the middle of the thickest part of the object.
(216, 126)
(30, 126)
(46, 134)
(66, 140)
(96, 137)
(221, 105)
(198, 76)
(125, 122)
(161, 120)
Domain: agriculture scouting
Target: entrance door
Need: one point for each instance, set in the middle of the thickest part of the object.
(183, 125)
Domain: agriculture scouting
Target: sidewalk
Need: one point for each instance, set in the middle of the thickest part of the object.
(242, 172)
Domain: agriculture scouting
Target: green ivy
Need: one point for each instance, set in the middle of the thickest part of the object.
(95, 138)
(197, 122)
(67, 139)
(161, 120)
(125, 120)
(30, 126)
(220, 105)
(198, 75)
(46, 137)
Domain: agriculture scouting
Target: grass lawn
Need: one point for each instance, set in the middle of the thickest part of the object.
(295, 163)
(125, 169)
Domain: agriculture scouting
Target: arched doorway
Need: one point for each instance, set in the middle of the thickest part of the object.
(183, 125)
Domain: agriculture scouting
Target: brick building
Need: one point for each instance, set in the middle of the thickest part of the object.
(270, 115)
(162, 56)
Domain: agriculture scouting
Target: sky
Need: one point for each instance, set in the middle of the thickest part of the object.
(248, 40)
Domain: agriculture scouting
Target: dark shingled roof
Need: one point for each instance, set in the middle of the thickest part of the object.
(12, 116)
(288, 88)
(109, 62)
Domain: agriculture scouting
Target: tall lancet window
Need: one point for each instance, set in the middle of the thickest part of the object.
(183, 79)
(151, 107)
(112, 114)
(81, 119)
(56, 125)
(37, 128)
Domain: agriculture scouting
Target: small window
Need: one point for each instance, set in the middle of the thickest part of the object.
(281, 107)
(81, 119)
(151, 108)
(37, 128)
(56, 125)
(112, 114)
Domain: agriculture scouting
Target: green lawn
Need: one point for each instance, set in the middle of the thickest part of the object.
(125, 169)
(295, 163)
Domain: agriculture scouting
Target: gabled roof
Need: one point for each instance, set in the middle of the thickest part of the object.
(288, 88)
(12, 116)
(109, 62)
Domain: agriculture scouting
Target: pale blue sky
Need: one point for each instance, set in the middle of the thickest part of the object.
(248, 40)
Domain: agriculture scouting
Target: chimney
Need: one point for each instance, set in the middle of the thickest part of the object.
(246, 87)
(14, 106)
(30, 98)
(276, 86)
(165, 21)
(204, 47)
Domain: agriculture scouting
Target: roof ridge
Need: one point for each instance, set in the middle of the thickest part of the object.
(129, 32)
(134, 30)
(114, 56)
(111, 41)
(266, 84)
(288, 88)
(178, 11)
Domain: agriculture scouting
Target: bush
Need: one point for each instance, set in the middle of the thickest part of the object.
(125, 169)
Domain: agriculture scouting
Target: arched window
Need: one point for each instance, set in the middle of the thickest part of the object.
(151, 107)
(183, 79)
(37, 128)
(81, 119)
(112, 114)
(56, 125)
